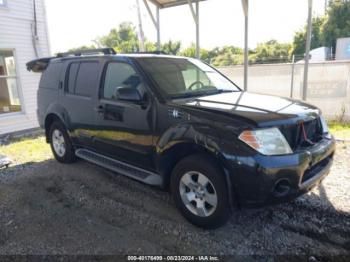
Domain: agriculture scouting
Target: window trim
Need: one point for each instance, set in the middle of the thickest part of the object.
(18, 83)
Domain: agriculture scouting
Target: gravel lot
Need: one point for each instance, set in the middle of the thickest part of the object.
(51, 208)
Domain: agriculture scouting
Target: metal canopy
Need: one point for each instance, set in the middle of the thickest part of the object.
(160, 4)
(171, 3)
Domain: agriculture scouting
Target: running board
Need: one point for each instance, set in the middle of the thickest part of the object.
(125, 169)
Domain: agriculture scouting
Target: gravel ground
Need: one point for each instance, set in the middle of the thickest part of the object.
(51, 208)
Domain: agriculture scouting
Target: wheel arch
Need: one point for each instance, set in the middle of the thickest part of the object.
(169, 159)
(49, 119)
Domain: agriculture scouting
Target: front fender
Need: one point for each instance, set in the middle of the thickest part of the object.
(183, 140)
(200, 135)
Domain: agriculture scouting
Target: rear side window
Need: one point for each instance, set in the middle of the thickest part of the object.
(83, 78)
(87, 78)
(72, 76)
(50, 78)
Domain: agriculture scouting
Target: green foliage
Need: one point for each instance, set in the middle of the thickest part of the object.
(226, 56)
(316, 38)
(150, 46)
(337, 24)
(36, 150)
(191, 52)
(171, 47)
(123, 39)
(271, 51)
(339, 129)
(326, 29)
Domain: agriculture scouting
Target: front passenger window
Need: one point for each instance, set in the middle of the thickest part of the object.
(119, 75)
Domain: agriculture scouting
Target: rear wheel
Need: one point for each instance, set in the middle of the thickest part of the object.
(61, 144)
(200, 191)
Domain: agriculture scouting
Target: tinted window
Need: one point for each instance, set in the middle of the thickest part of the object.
(72, 76)
(185, 77)
(51, 76)
(119, 75)
(87, 78)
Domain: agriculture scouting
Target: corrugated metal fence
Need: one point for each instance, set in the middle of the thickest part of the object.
(328, 85)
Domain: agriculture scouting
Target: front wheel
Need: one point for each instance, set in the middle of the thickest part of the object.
(200, 191)
(61, 144)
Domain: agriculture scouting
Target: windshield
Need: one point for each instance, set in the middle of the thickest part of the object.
(185, 77)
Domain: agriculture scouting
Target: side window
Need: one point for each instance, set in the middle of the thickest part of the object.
(87, 78)
(72, 76)
(119, 75)
(51, 76)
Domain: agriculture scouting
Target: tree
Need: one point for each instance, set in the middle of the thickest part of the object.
(337, 24)
(171, 47)
(226, 56)
(123, 39)
(271, 51)
(191, 52)
(326, 29)
(299, 41)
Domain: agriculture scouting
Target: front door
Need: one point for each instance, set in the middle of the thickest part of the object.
(124, 128)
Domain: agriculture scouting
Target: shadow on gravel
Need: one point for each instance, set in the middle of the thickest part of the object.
(48, 207)
(335, 231)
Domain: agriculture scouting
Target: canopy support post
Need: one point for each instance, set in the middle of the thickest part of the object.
(158, 30)
(195, 15)
(245, 5)
(307, 50)
(156, 22)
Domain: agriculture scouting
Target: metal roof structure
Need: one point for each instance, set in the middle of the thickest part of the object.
(160, 4)
(171, 3)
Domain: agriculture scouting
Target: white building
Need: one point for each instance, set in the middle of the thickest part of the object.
(23, 37)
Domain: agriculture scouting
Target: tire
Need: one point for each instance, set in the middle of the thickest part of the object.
(58, 136)
(196, 199)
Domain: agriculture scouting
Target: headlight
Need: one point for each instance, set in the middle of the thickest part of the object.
(268, 141)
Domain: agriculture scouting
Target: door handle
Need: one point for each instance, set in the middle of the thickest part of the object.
(100, 109)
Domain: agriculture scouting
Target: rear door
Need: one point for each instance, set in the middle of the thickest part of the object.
(78, 96)
(125, 129)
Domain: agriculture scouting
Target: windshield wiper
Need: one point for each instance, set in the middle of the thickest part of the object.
(202, 93)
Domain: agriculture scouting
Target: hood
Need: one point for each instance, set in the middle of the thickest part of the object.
(264, 110)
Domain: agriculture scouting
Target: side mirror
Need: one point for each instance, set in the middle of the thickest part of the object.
(128, 94)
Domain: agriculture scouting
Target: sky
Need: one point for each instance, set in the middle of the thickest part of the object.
(74, 23)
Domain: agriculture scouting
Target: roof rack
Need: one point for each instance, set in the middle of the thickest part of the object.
(152, 52)
(106, 51)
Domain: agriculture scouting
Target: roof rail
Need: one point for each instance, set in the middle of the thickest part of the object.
(106, 51)
(152, 52)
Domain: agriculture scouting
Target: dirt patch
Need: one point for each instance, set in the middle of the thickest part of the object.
(51, 208)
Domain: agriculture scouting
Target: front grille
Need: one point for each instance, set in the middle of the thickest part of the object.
(303, 134)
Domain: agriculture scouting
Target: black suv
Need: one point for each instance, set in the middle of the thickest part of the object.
(177, 123)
